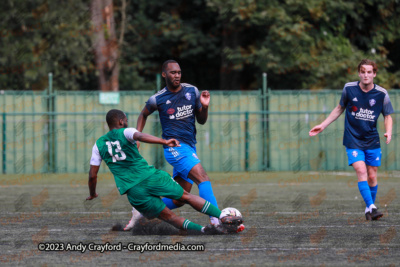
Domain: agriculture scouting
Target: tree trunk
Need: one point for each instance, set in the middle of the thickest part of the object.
(105, 44)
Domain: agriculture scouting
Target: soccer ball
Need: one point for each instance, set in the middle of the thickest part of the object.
(230, 212)
(232, 220)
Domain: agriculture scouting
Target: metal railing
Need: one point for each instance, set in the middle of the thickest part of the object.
(54, 131)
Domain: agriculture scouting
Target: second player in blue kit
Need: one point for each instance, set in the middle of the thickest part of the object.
(363, 102)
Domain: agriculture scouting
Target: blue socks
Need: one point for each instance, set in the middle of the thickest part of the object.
(168, 202)
(206, 192)
(365, 192)
(374, 190)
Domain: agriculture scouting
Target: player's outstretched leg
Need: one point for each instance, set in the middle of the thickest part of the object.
(200, 177)
(168, 216)
(229, 224)
(200, 204)
(181, 223)
(136, 215)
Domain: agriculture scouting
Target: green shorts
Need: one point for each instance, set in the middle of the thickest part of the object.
(145, 196)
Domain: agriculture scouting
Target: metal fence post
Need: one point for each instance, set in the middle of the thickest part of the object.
(246, 141)
(50, 138)
(4, 143)
(265, 124)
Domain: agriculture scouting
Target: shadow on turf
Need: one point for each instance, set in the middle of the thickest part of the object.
(155, 227)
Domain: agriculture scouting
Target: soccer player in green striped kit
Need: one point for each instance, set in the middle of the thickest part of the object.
(142, 183)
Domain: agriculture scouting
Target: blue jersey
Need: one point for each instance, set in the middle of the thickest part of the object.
(362, 112)
(177, 112)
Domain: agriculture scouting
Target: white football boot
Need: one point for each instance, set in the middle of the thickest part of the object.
(136, 215)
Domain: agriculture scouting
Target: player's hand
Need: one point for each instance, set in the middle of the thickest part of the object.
(316, 130)
(388, 138)
(172, 143)
(205, 99)
(91, 197)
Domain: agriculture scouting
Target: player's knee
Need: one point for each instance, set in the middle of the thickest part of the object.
(372, 178)
(166, 215)
(202, 179)
(198, 174)
(185, 197)
(178, 203)
(206, 178)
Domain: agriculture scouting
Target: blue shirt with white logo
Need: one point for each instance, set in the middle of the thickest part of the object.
(177, 112)
(362, 112)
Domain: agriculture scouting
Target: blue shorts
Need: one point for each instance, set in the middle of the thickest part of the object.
(371, 157)
(183, 159)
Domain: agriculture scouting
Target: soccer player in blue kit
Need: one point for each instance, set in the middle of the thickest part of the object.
(363, 101)
(179, 105)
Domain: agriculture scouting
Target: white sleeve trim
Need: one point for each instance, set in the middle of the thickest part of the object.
(129, 132)
(96, 158)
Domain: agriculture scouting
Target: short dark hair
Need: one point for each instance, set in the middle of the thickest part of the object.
(165, 64)
(368, 62)
(113, 116)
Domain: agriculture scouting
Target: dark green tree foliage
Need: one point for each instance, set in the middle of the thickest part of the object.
(161, 30)
(38, 37)
(311, 44)
(220, 44)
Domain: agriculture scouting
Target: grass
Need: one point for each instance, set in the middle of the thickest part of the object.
(298, 219)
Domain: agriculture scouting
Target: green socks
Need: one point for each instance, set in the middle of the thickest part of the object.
(208, 209)
(188, 225)
(211, 210)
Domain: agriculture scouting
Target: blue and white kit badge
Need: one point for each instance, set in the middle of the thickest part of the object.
(372, 102)
(188, 96)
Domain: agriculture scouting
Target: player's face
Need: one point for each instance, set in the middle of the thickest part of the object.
(366, 74)
(173, 75)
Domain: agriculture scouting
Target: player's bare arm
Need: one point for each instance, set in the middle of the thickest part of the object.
(92, 181)
(388, 127)
(336, 112)
(202, 113)
(141, 121)
(147, 138)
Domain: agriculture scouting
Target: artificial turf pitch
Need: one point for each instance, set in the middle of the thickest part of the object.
(298, 219)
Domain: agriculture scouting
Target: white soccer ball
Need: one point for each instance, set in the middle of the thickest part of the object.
(232, 225)
(230, 212)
